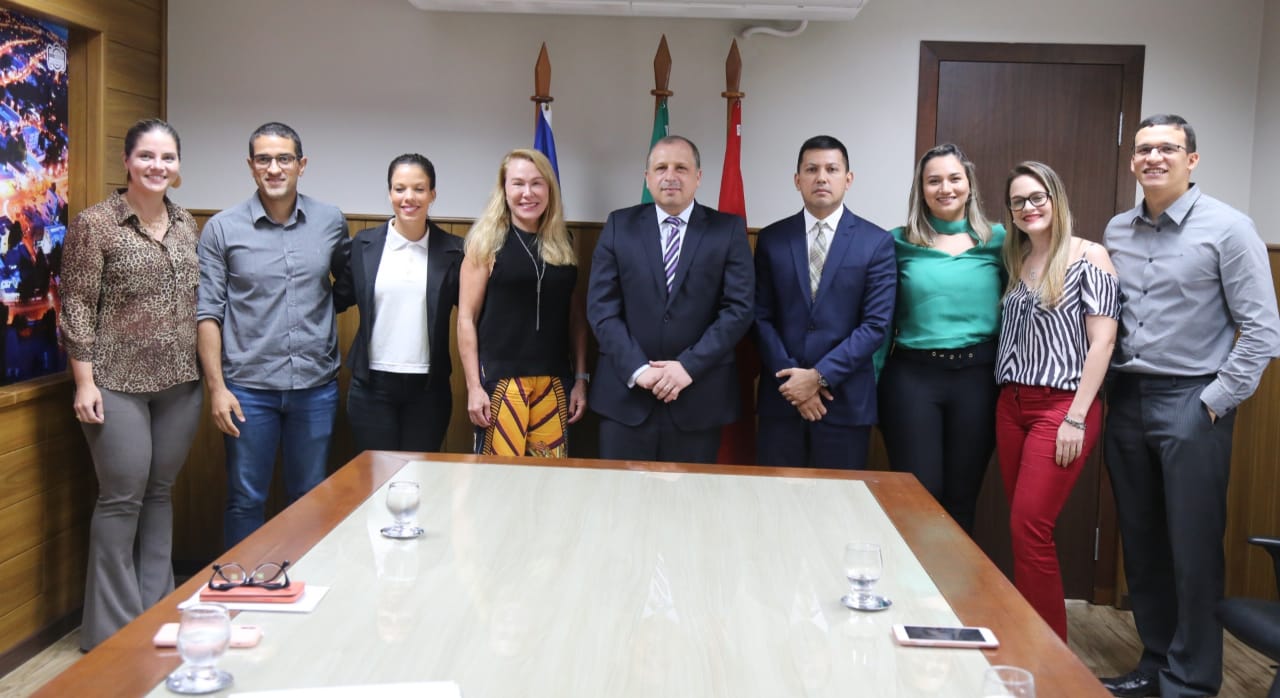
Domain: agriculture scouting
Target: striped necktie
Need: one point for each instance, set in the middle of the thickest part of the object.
(817, 257)
(671, 249)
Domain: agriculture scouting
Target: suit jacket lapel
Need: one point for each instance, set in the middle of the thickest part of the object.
(371, 253)
(693, 233)
(651, 246)
(798, 241)
(840, 242)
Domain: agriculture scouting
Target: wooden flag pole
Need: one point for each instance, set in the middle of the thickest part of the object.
(661, 74)
(732, 79)
(541, 82)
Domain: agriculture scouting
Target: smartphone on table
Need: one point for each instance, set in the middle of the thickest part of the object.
(945, 636)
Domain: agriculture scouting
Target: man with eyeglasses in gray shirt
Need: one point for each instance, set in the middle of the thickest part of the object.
(1193, 272)
(266, 333)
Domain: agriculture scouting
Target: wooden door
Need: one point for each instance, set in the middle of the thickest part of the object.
(1072, 107)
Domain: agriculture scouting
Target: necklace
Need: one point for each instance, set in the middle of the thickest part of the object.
(539, 272)
(155, 228)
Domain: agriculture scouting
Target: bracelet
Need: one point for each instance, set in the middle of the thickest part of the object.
(582, 377)
(1075, 423)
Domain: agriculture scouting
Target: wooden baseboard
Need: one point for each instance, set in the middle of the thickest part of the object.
(38, 641)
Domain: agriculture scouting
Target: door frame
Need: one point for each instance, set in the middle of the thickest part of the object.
(1106, 572)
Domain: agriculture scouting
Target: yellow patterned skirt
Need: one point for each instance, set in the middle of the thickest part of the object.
(530, 418)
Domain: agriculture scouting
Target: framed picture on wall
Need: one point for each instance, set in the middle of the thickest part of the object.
(33, 193)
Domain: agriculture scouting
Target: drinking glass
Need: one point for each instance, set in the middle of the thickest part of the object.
(402, 502)
(862, 567)
(203, 635)
(1005, 681)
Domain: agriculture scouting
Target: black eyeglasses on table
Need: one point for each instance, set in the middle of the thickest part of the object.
(268, 575)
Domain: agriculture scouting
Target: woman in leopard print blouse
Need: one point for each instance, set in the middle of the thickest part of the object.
(129, 327)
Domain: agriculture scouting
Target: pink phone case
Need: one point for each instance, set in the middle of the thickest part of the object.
(241, 635)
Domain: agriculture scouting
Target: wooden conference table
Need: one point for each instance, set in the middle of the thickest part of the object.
(601, 578)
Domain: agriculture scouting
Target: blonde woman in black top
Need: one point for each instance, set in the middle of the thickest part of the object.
(519, 317)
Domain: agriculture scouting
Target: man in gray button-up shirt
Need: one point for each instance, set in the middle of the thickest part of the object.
(267, 334)
(1193, 272)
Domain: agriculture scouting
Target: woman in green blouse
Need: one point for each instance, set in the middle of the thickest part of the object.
(937, 388)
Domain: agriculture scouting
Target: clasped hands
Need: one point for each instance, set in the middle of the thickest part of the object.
(665, 379)
(800, 387)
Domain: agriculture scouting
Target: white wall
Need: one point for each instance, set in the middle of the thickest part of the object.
(364, 80)
(1266, 150)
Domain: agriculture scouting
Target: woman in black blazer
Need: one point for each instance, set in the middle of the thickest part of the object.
(403, 276)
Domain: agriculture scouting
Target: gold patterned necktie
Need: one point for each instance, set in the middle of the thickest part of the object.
(817, 257)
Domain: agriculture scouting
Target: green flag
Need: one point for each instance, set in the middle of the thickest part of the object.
(661, 129)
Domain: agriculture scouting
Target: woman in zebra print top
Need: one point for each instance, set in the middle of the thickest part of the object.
(1057, 329)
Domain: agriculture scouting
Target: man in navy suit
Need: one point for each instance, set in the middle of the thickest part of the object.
(668, 300)
(825, 286)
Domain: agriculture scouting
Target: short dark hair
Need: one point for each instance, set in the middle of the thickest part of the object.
(672, 139)
(416, 160)
(822, 143)
(275, 128)
(1172, 120)
(145, 126)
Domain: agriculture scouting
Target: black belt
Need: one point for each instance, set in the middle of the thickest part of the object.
(976, 355)
(1151, 379)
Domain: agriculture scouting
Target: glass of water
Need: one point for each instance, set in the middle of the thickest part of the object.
(1001, 681)
(863, 566)
(203, 636)
(402, 502)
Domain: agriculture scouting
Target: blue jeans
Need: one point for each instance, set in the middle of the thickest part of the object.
(299, 422)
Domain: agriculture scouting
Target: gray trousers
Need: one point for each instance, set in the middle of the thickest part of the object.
(1169, 466)
(137, 453)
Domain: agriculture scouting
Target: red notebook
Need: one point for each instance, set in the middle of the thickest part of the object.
(243, 594)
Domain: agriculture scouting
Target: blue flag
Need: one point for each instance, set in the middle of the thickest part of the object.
(543, 140)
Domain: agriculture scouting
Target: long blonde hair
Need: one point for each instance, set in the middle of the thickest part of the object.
(489, 232)
(919, 231)
(1017, 245)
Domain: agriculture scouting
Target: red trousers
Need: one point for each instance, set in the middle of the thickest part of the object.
(1027, 421)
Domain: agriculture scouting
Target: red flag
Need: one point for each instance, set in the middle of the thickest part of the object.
(732, 199)
(738, 440)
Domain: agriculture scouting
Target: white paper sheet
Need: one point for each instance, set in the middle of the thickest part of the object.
(430, 689)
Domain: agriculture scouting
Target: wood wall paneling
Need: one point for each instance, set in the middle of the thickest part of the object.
(123, 109)
(133, 71)
(1252, 508)
(134, 26)
(112, 162)
(47, 484)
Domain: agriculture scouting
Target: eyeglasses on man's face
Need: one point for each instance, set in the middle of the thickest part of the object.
(1037, 200)
(1165, 149)
(268, 575)
(263, 161)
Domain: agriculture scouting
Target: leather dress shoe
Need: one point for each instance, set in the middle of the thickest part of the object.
(1134, 683)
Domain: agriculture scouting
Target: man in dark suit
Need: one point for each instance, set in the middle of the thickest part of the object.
(825, 286)
(668, 300)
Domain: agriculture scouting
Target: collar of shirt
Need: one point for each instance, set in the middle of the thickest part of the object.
(259, 213)
(121, 212)
(396, 241)
(1177, 211)
(683, 216)
(832, 221)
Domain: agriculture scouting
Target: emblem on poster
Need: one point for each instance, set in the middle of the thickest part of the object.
(56, 58)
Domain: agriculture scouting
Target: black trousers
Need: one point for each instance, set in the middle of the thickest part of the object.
(938, 423)
(658, 439)
(795, 442)
(1169, 466)
(396, 412)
